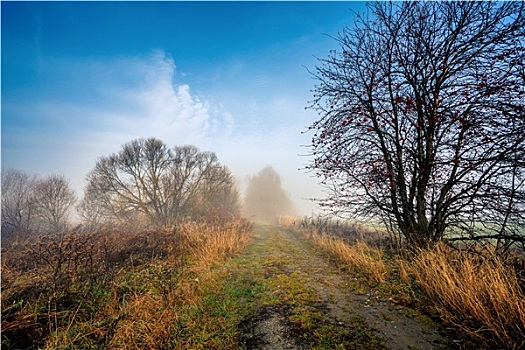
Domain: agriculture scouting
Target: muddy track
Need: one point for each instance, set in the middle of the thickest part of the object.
(280, 251)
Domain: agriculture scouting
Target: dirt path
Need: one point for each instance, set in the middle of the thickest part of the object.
(306, 302)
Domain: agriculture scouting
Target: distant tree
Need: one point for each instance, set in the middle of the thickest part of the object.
(17, 202)
(265, 198)
(148, 181)
(422, 120)
(53, 200)
(92, 212)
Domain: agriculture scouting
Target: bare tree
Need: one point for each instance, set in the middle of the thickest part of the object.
(54, 198)
(265, 198)
(216, 197)
(422, 120)
(149, 181)
(17, 203)
(196, 177)
(91, 212)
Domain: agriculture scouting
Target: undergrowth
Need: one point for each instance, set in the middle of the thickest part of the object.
(117, 290)
(480, 295)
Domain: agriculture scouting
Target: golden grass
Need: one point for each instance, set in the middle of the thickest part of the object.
(145, 325)
(480, 295)
(208, 245)
(360, 257)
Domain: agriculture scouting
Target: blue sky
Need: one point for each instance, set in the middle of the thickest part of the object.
(79, 79)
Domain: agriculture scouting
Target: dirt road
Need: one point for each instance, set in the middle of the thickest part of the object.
(306, 302)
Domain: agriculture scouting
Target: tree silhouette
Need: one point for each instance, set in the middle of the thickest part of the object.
(159, 186)
(54, 198)
(422, 120)
(18, 205)
(265, 198)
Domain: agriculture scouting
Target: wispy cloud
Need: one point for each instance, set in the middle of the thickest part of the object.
(102, 104)
(155, 105)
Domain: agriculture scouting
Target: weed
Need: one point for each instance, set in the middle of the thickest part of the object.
(477, 293)
(114, 290)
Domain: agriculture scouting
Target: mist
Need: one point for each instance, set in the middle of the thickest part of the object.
(265, 199)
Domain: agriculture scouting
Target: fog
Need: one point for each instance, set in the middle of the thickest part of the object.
(265, 199)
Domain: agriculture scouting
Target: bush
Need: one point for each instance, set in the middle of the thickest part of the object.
(110, 288)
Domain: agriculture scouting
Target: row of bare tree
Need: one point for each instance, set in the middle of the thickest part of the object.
(144, 185)
(30, 204)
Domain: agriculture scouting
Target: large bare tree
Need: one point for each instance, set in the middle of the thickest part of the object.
(422, 120)
(154, 184)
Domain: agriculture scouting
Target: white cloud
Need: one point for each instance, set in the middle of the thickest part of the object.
(156, 106)
(93, 107)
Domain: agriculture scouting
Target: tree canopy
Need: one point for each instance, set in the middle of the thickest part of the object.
(149, 184)
(422, 120)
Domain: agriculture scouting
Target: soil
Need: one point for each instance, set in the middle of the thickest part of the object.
(399, 327)
(270, 329)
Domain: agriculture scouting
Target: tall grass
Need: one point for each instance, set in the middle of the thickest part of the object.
(112, 289)
(479, 294)
(360, 257)
(210, 244)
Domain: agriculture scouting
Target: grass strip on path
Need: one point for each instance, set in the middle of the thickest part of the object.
(275, 279)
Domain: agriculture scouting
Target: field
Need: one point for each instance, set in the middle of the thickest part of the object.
(240, 286)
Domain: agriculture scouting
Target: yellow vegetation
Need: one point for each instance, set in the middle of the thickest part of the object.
(118, 290)
(360, 257)
(477, 293)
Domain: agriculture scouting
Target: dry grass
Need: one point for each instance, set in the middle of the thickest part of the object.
(359, 258)
(478, 294)
(208, 245)
(115, 290)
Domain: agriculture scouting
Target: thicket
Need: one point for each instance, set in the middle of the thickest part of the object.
(110, 288)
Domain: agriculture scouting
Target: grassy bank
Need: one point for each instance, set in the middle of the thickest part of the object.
(477, 294)
(119, 290)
